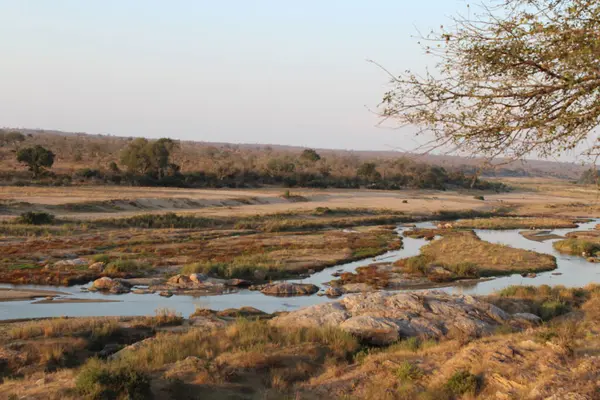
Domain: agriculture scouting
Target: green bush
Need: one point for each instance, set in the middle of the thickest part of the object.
(408, 372)
(479, 198)
(99, 380)
(35, 218)
(553, 308)
(462, 382)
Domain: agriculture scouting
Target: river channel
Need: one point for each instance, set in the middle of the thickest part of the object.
(575, 272)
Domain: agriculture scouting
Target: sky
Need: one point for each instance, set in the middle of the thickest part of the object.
(241, 71)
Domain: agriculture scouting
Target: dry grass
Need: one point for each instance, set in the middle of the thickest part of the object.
(464, 254)
(515, 223)
(60, 327)
(586, 247)
(250, 359)
(135, 246)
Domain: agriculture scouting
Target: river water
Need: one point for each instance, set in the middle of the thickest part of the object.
(576, 272)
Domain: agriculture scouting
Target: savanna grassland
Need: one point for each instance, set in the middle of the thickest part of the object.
(58, 231)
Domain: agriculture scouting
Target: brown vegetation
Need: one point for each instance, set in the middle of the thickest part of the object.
(249, 359)
(464, 255)
(515, 223)
(154, 245)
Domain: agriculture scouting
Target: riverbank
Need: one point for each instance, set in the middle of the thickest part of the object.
(451, 346)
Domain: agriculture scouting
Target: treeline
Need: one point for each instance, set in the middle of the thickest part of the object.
(165, 162)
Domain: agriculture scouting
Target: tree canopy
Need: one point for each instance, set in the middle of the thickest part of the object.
(37, 159)
(519, 78)
(146, 157)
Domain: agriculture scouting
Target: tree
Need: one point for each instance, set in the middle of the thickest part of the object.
(517, 79)
(11, 137)
(368, 171)
(37, 159)
(310, 155)
(146, 157)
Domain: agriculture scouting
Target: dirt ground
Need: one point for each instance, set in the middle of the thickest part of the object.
(530, 196)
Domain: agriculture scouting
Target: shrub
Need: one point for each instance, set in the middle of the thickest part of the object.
(105, 258)
(479, 198)
(123, 267)
(99, 380)
(464, 270)
(462, 382)
(408, 372)
(35, 218)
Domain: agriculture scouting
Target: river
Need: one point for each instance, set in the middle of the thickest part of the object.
(576, 272)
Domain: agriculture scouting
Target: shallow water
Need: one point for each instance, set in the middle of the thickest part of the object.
(576, 272)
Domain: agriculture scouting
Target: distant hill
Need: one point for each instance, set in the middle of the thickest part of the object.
(76, 150)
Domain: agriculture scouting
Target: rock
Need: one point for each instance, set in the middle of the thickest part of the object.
(557, 273)
(437, 273)
(106, 284)
(49, 298)
(528, 318)
(334, 292)
(375, 330)
(77, 262)
(198, 278)
(238, 283)
(531, 275)
(132, 347)
(179, 280)
(165, 293)
(260, 274)
(357, 287)
(593, 259)
(141, 291)
(310, 271)
(336, 274)
(109, 350)
(98, 266)
(383, 317)
(289, 289)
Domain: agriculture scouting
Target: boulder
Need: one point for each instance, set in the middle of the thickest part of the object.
(527, 318)
(97, 266)
(384, 317)
(198, 278)
(260, 274)
(165, 293)
(334, 292)
(238, 282)
(179, 280)
(289, 289)
(106, 284)
(109, 350)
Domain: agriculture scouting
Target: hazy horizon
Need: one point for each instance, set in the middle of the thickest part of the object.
(232, 71)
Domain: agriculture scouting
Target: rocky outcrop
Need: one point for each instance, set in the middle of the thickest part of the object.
(106, 284)
(334, 292)
(384, 317)
(289, 289)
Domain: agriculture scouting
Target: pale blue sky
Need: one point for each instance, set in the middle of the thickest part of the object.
(252, 71)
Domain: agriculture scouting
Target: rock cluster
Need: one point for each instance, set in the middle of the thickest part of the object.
(287, 289)
(106, 284)
(382, 318)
